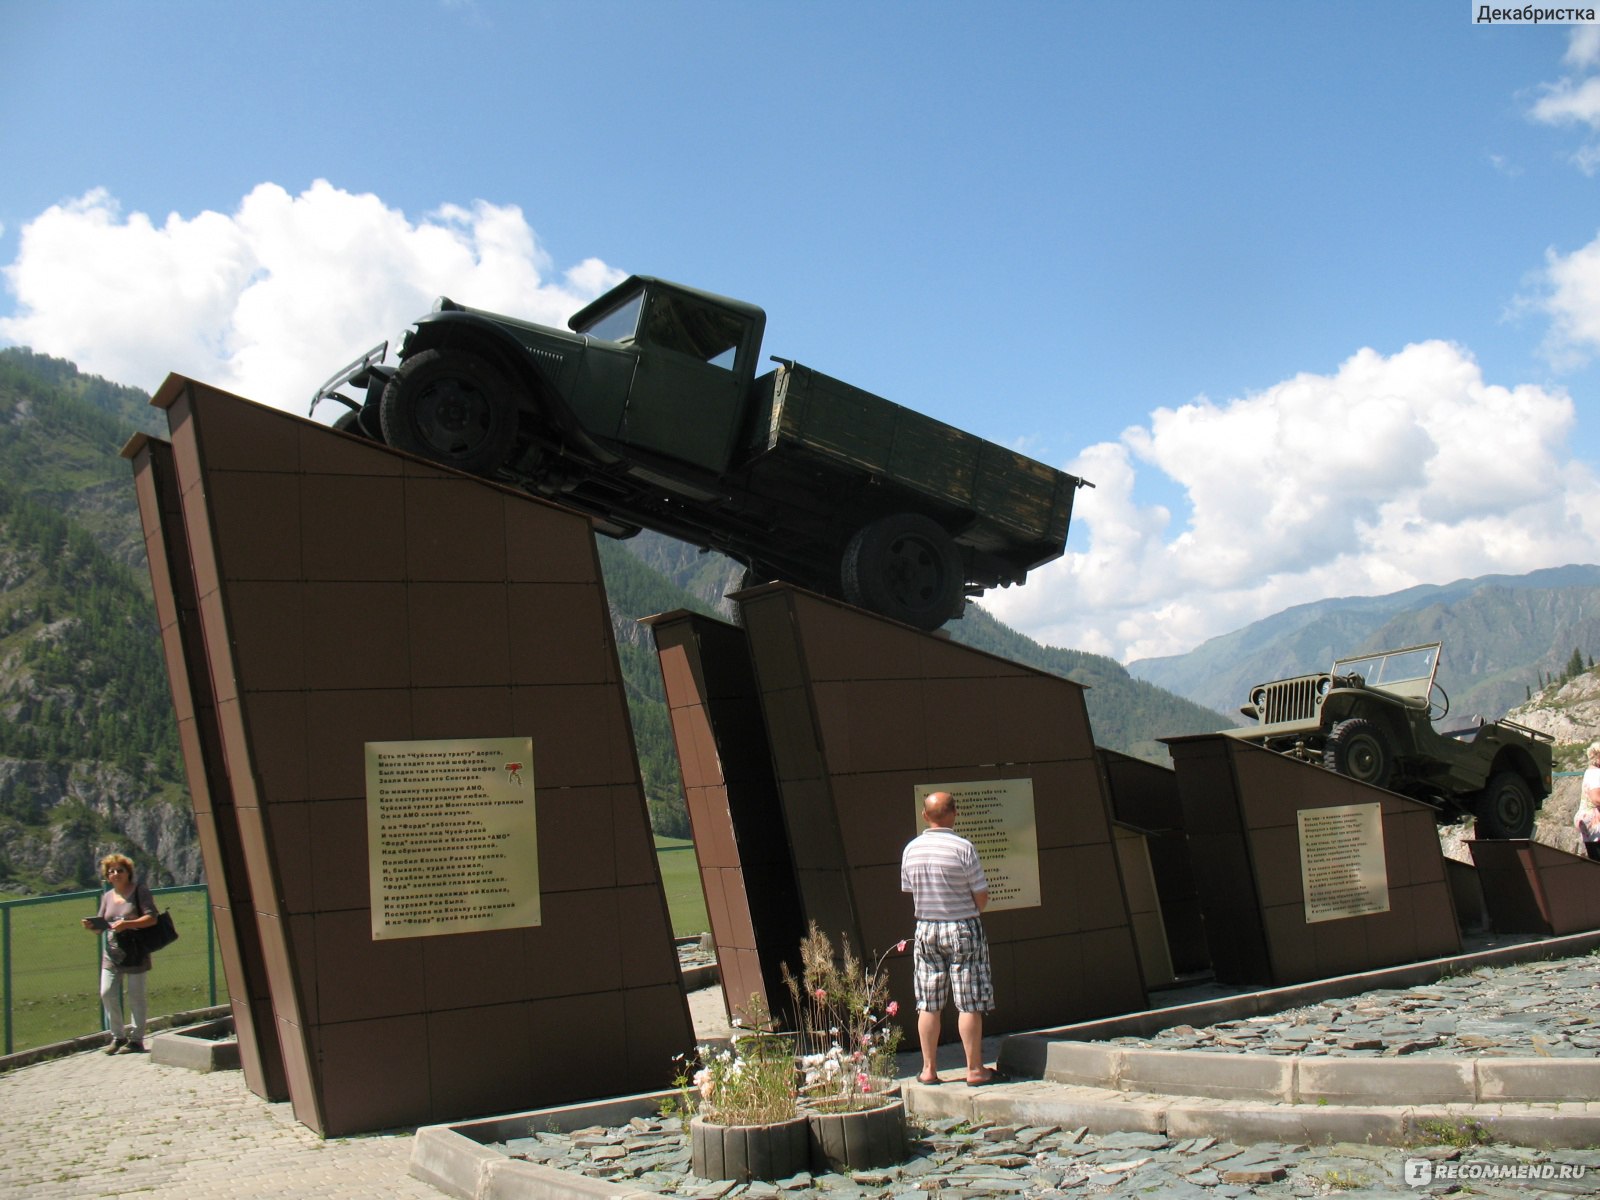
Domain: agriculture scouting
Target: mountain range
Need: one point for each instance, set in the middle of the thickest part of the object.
(1505, 637)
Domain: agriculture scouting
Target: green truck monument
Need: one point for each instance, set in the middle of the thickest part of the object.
(649, 413)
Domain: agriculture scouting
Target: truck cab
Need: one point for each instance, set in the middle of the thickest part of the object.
(681, 343)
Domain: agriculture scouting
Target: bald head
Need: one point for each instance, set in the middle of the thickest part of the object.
(939, 809)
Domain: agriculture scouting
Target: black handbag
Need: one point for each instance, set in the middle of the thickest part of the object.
(140, 944)
(158, 936)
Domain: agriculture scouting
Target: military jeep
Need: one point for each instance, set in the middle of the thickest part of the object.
(1375, 718)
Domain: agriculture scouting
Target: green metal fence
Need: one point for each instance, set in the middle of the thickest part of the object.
(50, 965)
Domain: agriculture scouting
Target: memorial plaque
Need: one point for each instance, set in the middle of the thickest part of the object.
(1342, 866)
(996, 816)
(452, 838)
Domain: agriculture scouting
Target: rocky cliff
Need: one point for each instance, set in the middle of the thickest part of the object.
(57, 819)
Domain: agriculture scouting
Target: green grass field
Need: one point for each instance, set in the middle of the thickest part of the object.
(55, 963)
(55, 967)
(680, 878)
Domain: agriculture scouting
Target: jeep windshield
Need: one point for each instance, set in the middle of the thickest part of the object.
(1394, 667)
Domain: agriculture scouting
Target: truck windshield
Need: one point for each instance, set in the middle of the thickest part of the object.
(620, 324)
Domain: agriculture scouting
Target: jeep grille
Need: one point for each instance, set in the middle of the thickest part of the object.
(1291, 700)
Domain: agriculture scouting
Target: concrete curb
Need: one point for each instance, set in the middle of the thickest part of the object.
(89, 1041)
(1101, 1111)
(1296, 1079)
(460, 1167)
(457, 1160)
(209, 1046)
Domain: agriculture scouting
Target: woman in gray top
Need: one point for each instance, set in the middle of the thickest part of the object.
(126, 904)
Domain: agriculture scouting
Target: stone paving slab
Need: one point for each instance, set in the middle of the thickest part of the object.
(94, 1125)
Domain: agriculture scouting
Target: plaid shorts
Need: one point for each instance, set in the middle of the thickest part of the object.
(953, 956)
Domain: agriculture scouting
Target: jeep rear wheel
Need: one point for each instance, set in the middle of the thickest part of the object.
(1359, 749)
(453, 408)
(1505, 807)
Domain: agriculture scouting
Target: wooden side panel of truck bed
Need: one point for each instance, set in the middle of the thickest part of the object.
(1017, 503)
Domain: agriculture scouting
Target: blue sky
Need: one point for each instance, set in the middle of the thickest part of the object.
(1309, 291)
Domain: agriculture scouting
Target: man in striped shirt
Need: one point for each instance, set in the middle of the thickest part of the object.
(940, 869)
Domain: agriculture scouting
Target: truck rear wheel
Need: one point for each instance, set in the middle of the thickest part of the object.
(1358, 748)
(1505, 807)
(906, 567)
(451, 407)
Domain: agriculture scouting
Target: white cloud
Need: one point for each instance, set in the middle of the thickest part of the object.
(271, 299)
(1571, 299)
(1583, 49)
(1393, 471)
(1575, 100)
(1569, 101)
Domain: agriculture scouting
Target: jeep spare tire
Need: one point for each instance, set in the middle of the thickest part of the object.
(1505, 807)
(451, 407)
(904, 566)
(1359, 749)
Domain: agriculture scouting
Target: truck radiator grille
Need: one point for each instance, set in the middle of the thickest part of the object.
(1292, 700)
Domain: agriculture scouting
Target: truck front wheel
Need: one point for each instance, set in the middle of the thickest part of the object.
(1357, 748)
(1506, 807)
(906, 567)
(453, 408)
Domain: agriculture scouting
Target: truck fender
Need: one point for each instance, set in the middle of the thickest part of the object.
(454, 330)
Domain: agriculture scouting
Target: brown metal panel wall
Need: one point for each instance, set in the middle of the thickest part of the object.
(349, 593)
(1144, 905)
(1241, 806)
(1529, 887)
(216, 820)
(1571, 884)
(1146, 796)
(1467, 888)
(1511, 890)
(746, 868)
(1221, 861)
(860, 710)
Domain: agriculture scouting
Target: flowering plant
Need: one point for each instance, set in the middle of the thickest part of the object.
(749, 1082)
(847, 1037)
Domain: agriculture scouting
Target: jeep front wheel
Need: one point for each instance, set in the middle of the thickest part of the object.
(1358, 748)
(1506, 807)
(453, 408)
